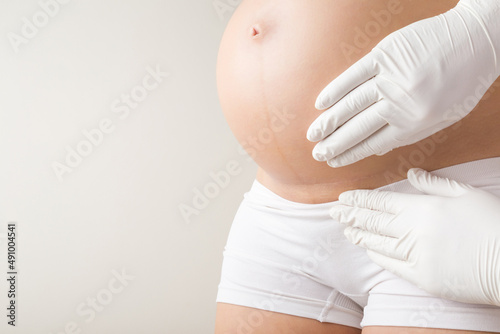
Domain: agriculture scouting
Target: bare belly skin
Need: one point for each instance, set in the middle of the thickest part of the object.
(275, 58)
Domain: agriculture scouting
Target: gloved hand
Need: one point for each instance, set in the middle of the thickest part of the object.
(446, 242)
(414, 83)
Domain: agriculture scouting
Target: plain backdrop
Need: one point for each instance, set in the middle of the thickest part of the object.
(102, 245)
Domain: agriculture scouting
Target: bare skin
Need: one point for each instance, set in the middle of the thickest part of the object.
(275, 58)
(234, 319)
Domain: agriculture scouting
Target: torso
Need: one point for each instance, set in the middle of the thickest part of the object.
(275, 58)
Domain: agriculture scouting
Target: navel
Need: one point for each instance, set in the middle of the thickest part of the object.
(256, 31)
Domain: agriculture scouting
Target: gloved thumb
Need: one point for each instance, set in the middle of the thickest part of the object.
(434, 185)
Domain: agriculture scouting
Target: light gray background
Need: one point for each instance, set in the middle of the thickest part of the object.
(119, 209)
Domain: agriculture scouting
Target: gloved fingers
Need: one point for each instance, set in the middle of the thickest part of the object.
(351, 133)
(362, 71)
(372, 221)
(381, 244)
(352, 104)
(381, 141)
(435, 185)
(383, 201)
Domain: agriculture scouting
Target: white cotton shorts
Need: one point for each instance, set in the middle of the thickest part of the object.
(292, 258)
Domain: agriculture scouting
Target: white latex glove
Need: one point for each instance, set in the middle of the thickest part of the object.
(414, 83)
(446, 242)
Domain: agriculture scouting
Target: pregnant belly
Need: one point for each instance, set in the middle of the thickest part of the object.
(277, 55)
